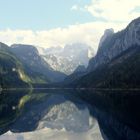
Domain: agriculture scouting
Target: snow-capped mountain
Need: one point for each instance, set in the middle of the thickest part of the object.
(67, 59)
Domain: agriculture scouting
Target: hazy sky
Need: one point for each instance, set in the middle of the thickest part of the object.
(49, 23)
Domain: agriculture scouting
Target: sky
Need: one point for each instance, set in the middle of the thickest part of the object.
(47, 23)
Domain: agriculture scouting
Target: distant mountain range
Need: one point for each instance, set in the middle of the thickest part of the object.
(23, 64)
(67, 59)
(116, 64)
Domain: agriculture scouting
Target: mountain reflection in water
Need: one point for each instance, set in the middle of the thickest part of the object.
(70, 115)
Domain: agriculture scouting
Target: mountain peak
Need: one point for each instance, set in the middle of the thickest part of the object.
(109, 31)
(107, 34)
(135, 21)
(23, 48)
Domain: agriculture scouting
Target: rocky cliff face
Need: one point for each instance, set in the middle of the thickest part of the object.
(113, 44)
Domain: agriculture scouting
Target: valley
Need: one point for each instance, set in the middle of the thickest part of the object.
(71, 93)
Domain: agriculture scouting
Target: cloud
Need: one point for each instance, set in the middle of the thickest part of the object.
(114, 10)
(74, 7)
(77, 8)
(88, 33)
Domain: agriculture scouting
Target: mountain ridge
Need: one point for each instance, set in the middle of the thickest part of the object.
(117, 43)
(116, 64)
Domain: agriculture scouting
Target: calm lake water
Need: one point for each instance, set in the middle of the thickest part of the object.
(70, 115)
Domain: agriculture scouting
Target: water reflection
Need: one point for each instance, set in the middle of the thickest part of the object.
(70, 114)
(8, 108)
(117, 112)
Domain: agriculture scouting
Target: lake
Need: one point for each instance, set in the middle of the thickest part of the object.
(69, 114)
